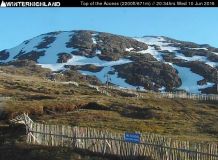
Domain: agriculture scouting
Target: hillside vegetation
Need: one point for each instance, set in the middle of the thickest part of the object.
(64, 103)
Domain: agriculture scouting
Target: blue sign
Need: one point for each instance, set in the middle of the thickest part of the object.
(132, 137)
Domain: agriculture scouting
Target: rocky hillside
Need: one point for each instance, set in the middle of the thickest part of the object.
(150, 62)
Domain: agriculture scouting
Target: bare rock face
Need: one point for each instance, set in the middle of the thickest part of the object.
(190, 49)
(112, 47)
(81, 39)
(95, 50)
(151, 75)
(4, 55)
(87, 67)
(45, 43)
(64, 57)
(112, 44)
(33, 55)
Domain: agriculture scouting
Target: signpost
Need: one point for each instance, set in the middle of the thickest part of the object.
(132, 137)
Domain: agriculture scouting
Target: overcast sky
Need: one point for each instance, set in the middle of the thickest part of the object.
(198, 25)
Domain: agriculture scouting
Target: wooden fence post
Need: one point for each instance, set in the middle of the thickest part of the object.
(156, 146)
(104, 144)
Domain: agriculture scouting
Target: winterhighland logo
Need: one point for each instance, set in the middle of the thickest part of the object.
(3, 4)
(30, 4)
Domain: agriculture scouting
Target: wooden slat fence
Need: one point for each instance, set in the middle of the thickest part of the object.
(202, 97)
(183, 95)
(151, 146)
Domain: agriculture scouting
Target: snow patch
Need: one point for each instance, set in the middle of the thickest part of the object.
(161, 42)
(24, 47)
(158, 41)
(196, 58)
(58, 46)
(215, 53)
(208, 84)
(81, 60)
(162, 89)
(151, 40)
(153, 52)
(168, 48)
(199, 49)
(169, 63)
(129, 49)
(53, 67)
(108, 66)
(193, 58)
(114, 77)
(189, 80)
(98, 51)
(94, 39)
(212, 64)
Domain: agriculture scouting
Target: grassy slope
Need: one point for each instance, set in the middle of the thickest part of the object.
(182, 119)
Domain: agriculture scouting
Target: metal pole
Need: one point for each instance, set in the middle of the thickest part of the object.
(107, 80)
(216, 81)
(107, 76)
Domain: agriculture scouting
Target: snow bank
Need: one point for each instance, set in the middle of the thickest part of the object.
(189, 80)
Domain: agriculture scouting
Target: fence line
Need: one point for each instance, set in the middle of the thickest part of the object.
(203, 97)
(99, 89)
(139, 94)
(182, 95)
(151, 146)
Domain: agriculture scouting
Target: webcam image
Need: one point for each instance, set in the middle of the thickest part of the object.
(95, 83)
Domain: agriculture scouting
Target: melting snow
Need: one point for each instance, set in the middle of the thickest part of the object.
(189, 80)
(53, 67)
(114, 77)
(151, 40)
(212, 64)
(158, 41)
(162, 89)
(205, 85)
(193, 58)
(161, 42)
(93, 39)
(81, 60)
(215, 53)
(169, 63)
(58, 46)
(168, 48)
(153, 52)
(196, 58)
(107, 67)
(129, 49)
(98, 51)
(199, 49)
(25, 47)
